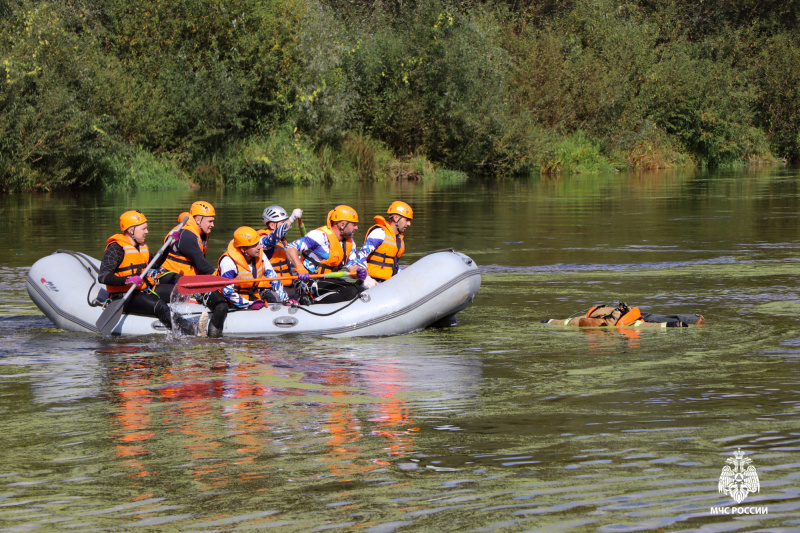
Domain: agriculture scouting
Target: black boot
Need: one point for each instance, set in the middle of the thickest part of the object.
(217, 321)
(213, 331)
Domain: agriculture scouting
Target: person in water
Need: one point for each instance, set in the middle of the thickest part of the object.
(273, 241)
(329, 248)
(243, 261)
(124, 260)
(384, 244)
(620, 315)
(187, 257)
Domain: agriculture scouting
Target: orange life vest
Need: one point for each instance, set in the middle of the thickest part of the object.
(615, 316)
(630, 317)
(383, 262)
(133, 263)
(176, 262)
(244, 271)
(279, 261)
(337, 257)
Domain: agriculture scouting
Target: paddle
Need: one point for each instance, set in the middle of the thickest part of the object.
(113, 312)
(302, 227)
(204, 284)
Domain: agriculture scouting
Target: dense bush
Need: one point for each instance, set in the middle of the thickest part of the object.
(777, 77)
(433, 83)
(127, 93)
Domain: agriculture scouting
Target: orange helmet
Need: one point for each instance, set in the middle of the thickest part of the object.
(402, 209)
(203, 209)
(245, 236)
(129, 219)
(342, 212)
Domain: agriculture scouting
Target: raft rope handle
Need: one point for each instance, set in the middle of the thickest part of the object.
(351, 302)
(83, 260)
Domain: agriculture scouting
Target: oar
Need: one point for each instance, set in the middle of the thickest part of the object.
(113, 311)
(204, 284)
(302, 227)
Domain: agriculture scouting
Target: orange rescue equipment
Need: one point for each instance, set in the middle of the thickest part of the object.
(131, 218)
(400, 208)
(177, 262)
(244, 271)
(342, 212)
(383, 262)
(133, 263)
(630, 317)
(620, 315)
(279, 261)
(338, 256)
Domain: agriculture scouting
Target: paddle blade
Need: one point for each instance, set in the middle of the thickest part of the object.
(110, 317)
(204, 284)
(201, 284)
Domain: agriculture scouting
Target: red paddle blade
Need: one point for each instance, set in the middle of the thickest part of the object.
(204, 284)
(201, 284)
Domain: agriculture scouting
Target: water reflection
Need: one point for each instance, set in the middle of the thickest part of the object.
(501, 423)
(223, 413)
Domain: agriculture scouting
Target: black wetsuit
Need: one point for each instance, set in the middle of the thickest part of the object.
(139, 303)
(215, 301)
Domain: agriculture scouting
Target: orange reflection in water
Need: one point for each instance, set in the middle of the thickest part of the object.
(221, 419)
(388, 419)
(605, 340)
(132, 419)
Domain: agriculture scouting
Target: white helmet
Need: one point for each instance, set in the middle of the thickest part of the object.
(274, 213)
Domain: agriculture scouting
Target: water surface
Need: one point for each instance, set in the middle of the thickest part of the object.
(498, 424)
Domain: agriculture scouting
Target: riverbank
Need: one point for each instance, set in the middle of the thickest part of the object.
(126, 95)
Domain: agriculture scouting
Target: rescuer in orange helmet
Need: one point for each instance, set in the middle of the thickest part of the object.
(384, 244)
(187, 257)
(124, 260)
(329, 248)
(245, 260)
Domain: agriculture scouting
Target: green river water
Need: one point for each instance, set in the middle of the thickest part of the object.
(498, 424)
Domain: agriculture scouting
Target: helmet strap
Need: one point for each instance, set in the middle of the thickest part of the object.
(131, 234)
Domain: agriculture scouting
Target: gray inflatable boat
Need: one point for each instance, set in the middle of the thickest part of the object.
(429, 292)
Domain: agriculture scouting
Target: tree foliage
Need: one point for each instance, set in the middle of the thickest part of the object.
(212, 89)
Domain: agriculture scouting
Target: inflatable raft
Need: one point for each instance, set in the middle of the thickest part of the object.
(429, 292)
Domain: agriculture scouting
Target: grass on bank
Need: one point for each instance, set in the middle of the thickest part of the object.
(283, 157)
(287, 157)
(140, 170)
